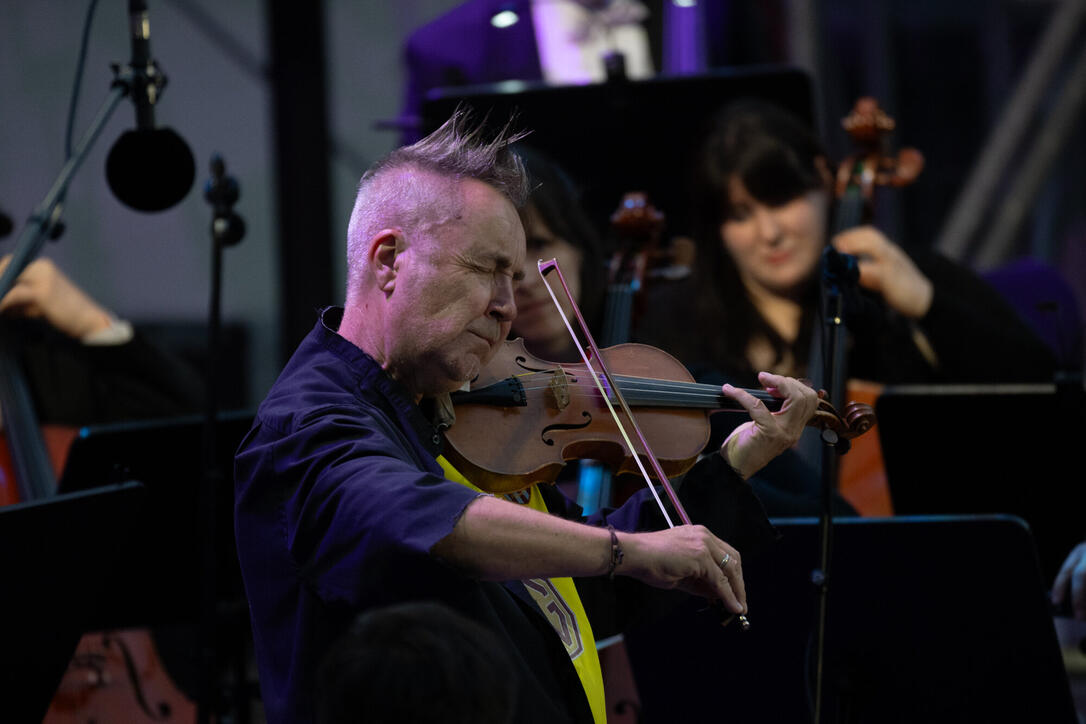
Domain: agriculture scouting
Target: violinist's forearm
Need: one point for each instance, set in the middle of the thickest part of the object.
(498, 540)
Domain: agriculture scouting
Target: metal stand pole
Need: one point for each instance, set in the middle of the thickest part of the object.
(227, 229)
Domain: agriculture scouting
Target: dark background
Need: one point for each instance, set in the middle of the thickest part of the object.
(297, 97)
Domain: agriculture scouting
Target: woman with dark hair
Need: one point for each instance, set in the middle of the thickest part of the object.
(762, 208)
(556, 227)
(761, 220)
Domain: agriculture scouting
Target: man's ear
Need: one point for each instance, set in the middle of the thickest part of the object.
(385, 247)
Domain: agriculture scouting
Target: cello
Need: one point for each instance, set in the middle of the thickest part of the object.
(862, 473)
(114, 675)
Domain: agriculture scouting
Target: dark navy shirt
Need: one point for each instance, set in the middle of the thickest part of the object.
(339, 500)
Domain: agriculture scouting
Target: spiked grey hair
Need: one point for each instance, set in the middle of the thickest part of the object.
(414, 186)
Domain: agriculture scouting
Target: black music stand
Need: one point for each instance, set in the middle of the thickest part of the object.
(964, 449)
(635, 135)
(159, 579)
(55, 558)
(933, 619)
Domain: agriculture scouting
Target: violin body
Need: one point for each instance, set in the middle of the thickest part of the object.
(524, 417)
(505, 448)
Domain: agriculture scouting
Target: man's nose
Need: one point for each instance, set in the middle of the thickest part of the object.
(503, 306)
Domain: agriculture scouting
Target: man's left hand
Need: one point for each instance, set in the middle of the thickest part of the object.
(753, 444)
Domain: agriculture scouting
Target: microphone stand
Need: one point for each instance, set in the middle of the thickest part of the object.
(45, 221)
(35, 473)
(837, 270)
(227, 229)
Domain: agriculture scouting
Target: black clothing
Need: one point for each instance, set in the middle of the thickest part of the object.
(976, 335)
(73, 383)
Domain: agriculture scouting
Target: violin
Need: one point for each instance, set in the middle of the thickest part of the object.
(566, 403)
(539, 414)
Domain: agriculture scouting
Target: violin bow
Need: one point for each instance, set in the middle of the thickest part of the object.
(545, 268)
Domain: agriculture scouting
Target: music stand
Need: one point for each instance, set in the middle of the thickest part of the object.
(159, 578)
(933, 619)
(55, 556)
(636, 135)
(1016, 451)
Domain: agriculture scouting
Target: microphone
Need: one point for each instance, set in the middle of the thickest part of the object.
(149, 168)
(841, 273)
(838, 268)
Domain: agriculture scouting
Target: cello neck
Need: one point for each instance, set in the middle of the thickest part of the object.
(33, 469)
(850, 210)
(636, 225)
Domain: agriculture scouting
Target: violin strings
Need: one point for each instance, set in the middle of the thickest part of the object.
(647, 390)
(628, 382)
(642, 396)
(553, 263)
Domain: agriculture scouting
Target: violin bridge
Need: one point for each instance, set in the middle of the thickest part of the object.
(559, 385)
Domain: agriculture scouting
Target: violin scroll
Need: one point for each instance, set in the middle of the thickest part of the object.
(858, 418)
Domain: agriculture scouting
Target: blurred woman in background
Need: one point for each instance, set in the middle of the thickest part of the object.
(764, 200)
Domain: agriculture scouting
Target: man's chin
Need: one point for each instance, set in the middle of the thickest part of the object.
(464, 374)
(464, 368)
(475, 369)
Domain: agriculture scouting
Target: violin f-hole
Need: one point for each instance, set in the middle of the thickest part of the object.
(565, 426)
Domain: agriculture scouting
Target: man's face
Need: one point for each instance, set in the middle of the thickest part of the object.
(452, 303)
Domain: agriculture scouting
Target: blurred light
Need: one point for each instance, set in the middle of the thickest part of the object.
(684, 3)
(504, 19)
(510, 86)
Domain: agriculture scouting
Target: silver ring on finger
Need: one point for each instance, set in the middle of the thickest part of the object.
(724, 561)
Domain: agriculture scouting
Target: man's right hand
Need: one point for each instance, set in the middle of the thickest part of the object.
(687, 557)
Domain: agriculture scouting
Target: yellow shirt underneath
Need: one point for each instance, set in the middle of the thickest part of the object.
(558, 600)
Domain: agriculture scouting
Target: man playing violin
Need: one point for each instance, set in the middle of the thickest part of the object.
(345, 503)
